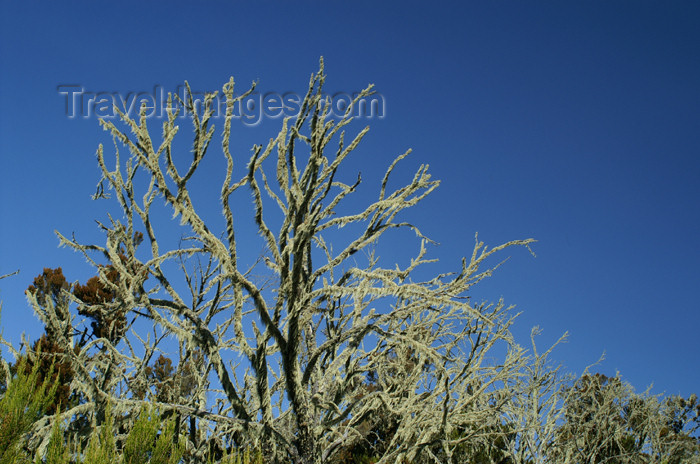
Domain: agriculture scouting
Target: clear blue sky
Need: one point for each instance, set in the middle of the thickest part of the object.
(577, 124)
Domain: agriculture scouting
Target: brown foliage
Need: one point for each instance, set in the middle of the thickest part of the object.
(52, 355)
(50, 287)
(108, 321)
(170, 384)
(49, 284)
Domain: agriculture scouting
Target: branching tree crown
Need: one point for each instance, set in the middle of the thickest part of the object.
(333, 345)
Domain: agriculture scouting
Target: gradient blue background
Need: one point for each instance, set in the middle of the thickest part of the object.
(573, 123)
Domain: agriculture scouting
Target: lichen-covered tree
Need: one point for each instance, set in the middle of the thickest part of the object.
(53, 295)
(281, 348)
(534, 410)
(604, 420)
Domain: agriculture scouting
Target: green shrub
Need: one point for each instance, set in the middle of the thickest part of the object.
(57, 452)
(242, 457)
(144, 445)
(23, 403)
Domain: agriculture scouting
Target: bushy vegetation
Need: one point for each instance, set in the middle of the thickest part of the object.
(603, 420)
(316, 351)
(150, 440)
(24, 401)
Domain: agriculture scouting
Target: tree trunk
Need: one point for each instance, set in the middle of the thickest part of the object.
(306, 443)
